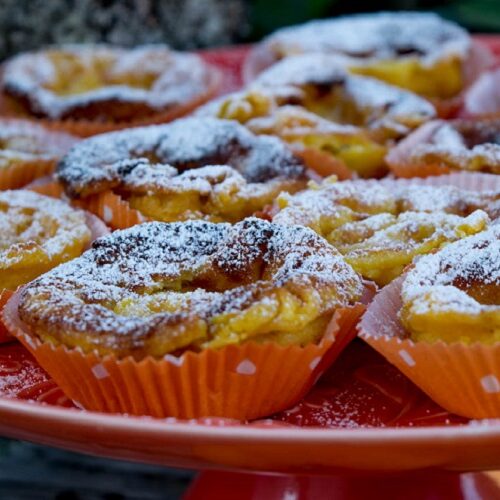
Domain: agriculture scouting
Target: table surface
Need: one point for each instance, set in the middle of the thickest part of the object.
(32, 472)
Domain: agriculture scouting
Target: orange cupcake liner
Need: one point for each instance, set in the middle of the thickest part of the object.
(24, 171)
(323, 163)
(463, 379)
(470, 181)
(87, 128)
(112, 209)
(46, 186)
(244, 381)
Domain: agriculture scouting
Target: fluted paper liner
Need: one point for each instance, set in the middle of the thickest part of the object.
(244, 381)
(47, 186)
(87, 128)
(463, 379)
(113, 210)
(97, 229)
(323, 163)
(24, 171)
(470, 181)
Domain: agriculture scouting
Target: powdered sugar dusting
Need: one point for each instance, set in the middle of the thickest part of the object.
(391, 220)
(385, 35)
(152, 76)
(472, 145)
(439, 281)
(380, 104)
(158, 279)
(37, 228)
(154, 156)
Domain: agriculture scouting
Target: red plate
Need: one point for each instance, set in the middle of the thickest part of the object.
(363, 415)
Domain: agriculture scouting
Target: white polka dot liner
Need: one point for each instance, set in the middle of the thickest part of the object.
(244, 382)
(462, 378)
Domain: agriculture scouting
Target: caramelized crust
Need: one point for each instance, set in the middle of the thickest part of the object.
(190, 169)
(157, 288)
(381, 226)
(454, 295)
(100, 82)
(471, 145)
(38, 233)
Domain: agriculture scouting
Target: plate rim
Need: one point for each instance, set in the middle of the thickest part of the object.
(293, 435)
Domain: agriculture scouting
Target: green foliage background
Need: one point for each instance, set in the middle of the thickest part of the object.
(268, 15)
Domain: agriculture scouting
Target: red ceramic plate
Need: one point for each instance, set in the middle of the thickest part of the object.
(363, 415)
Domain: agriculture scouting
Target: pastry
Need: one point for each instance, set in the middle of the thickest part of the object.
(194, 168)
(380, 227)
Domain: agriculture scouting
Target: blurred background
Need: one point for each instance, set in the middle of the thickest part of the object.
(187, 24)
(29, 471)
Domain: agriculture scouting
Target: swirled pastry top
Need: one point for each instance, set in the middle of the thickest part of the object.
(454, 294)
(471, 145)
(384, 35)
(156, 288)
(151, 157)
(381, 226)
(38, 233)
(105, 82)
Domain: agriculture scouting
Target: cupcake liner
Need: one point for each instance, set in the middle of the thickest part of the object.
(323, 163)
(47, 186)
(97, 229)
(113, 210)
(24, 171)
(244, 381)
(482, 100)
(470, 181)
(86, 128)
(463, 379)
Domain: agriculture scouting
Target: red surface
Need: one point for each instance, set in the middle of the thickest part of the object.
(360, 390)
(362, 416)
(430, 486)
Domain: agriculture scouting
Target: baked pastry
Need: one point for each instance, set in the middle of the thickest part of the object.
(454, 295)
(28, 151)
(38, 233)
(195, 168)
(440, 325)
(380, 227)
(101, 83)
(440, 147)
(418, 51)
(156, 288)
(313, 103)
(325, 146)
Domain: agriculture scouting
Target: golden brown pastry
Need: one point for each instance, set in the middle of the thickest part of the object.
(380, 227)
(194, 168)
(38, 233)
(157, 288)
(454, 295)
